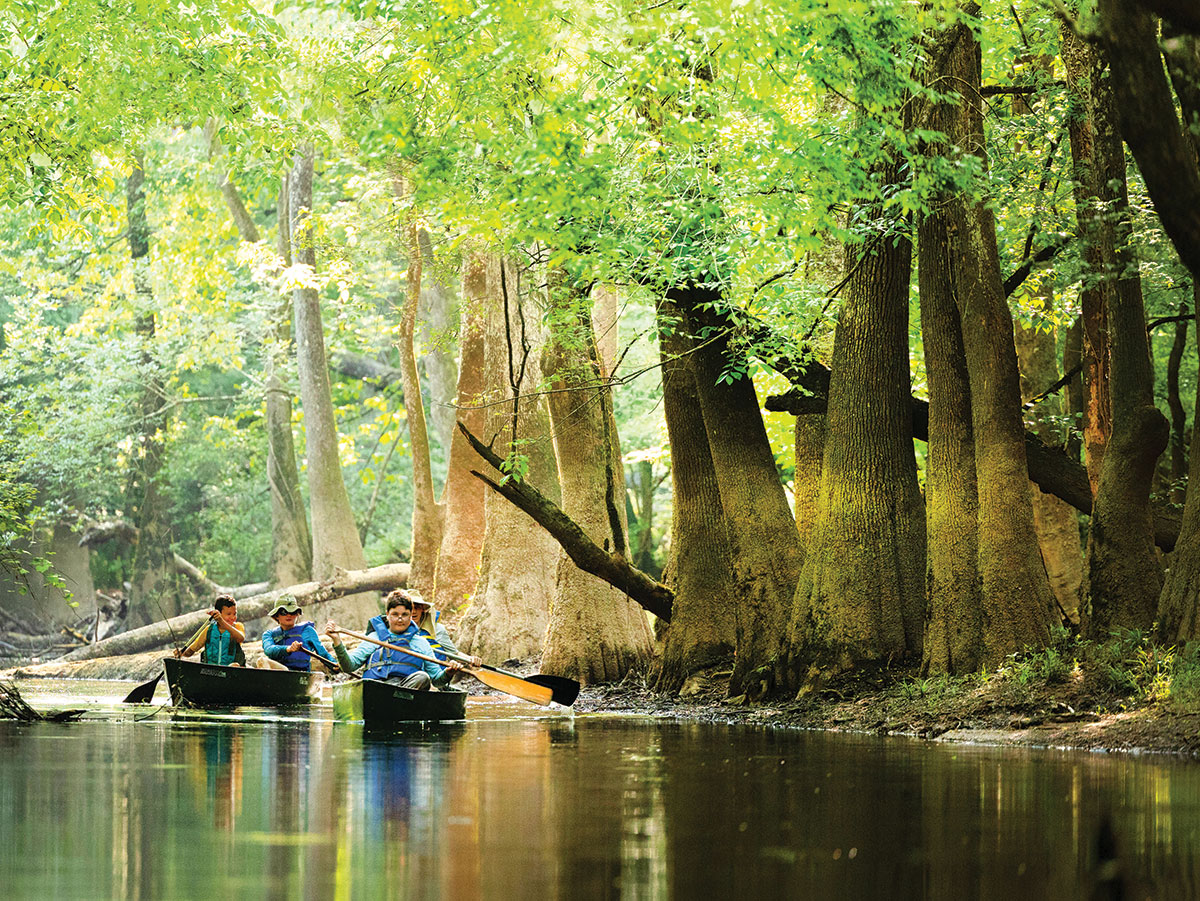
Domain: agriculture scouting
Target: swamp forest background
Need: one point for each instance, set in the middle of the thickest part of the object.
(812, 335)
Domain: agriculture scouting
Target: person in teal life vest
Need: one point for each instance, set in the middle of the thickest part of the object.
(429, 623)
(395, 626)
(287, 642)
(221, 642)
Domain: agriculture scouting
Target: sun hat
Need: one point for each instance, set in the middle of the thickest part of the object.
(287, 604)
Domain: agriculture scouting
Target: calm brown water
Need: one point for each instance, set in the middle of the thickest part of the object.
(517, 803)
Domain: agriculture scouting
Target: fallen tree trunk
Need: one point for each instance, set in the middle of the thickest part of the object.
(157, 635)
(614, 569)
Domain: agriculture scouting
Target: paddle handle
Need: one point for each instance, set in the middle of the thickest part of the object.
(392, 647)
(336, 667)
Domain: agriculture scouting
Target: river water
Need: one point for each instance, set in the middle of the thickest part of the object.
(519, 802)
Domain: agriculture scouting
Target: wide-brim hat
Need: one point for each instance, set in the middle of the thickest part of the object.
(287, 604)
(417, 600)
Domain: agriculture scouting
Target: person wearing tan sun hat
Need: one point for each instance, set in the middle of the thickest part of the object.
(429, 623)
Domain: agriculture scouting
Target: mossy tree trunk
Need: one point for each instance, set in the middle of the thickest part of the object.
(595, 633)
(764, 548)
(700, 570)
(860, 595)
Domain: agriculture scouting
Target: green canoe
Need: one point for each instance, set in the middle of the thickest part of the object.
(381, 704)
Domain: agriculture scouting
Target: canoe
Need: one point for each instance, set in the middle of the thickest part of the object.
(380, 704)
(207, 685)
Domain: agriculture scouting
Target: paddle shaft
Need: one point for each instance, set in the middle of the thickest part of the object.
(391, 647)
(336, 667)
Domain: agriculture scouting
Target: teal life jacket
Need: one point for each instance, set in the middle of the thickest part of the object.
(221, 649)
(385, 662)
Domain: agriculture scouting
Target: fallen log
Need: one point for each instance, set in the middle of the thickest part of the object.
(307, 594)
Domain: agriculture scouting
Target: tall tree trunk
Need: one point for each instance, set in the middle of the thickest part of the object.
(1179, 602)
(860, 595)
(154, 588)
(763, 544)
(954, 640)
(435, 323)
(1179, 442)
(1017, 604)
(427, 514)
(701, 565)
(463, 497)
(1084, 68)
(508, 614)
(335, 536)
(291, 540)
(1123, 574)
(595, 633)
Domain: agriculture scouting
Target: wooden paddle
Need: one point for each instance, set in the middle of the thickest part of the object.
(332, 667)
(144, 693)
(510, 685)
(564, 690)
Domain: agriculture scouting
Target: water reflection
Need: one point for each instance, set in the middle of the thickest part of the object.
(508, 807)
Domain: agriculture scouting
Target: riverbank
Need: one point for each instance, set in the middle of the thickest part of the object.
(1125, 695)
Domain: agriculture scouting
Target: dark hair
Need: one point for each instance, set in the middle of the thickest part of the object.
(398, 598)
(223, 601)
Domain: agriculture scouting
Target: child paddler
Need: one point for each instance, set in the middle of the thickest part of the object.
(287, 642)
(221, 642)
(395, 626)
(429, 623)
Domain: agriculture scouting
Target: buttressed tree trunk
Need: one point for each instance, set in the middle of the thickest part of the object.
(595, 633)
(291, 540)
(1017, 603)
(701, 565)
(154, 588)
(427, 514)
(764, 548)
(335, 535)
(954, 628)
(508, 615)
(860, 595)
(463, 496)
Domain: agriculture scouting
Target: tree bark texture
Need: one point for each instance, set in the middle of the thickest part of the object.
(436, 321)
(427, 513)
(763, 545)
(154, 591)
(595, 633)
(308, 595)
(860, 595)
(1090, 131)
(1017, 604)
(511, 605)
(1179, 435)
(953, 641)
(463, 496)
(1179, 602)
(701, 564)
(334, 533)
(1056, 521)
(1123, 575)
(1150, 125)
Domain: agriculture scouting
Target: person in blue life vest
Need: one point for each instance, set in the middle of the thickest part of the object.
(395, 626)
(429, 623)
(284, 646)
(221, 642)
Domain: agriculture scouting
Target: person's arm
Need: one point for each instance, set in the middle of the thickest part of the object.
(312, 641)
(421, 646)
(237, 631)
(275, 651)
(443, 637)
(196, 645)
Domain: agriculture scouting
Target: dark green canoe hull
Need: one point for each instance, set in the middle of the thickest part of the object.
(381, 704)
(206, 685)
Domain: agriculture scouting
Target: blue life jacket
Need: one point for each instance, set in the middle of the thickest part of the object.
(385, 662)
(296, 659)
(430, 635)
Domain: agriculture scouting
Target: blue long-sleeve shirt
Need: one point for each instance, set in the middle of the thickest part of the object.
(275, 644)
(410, 638)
